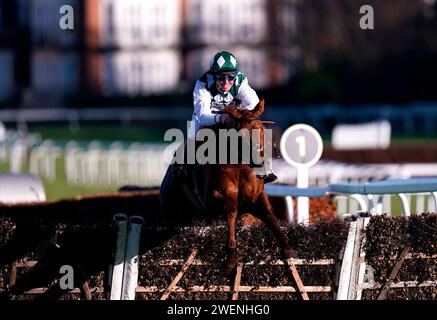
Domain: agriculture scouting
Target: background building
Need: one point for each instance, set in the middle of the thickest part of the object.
(132, 46)
(7, 74)
(135, 72)
(298, 51)
(226, 22)
(11, 50)
(140, 48)
(130, 24)
(44, 19)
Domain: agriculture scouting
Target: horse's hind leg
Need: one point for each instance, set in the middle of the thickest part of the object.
(264, 211)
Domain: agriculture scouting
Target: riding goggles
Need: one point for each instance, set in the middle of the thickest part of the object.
(224, 77)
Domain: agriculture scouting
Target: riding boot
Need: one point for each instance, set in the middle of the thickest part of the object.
(271, 177)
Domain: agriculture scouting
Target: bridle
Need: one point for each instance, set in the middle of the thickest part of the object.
(239, 121)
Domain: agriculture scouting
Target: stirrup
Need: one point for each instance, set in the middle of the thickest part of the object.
(271, 177)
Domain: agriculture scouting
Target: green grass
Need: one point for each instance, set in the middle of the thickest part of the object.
(4, 167)
(100, 132)
(60, 189)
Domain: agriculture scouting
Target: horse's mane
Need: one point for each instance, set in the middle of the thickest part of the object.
(243, 114)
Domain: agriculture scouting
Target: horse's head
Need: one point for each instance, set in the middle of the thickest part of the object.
(250, 120)
(241, 115)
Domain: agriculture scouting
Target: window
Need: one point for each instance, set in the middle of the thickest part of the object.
(1, 16)
(110, 20)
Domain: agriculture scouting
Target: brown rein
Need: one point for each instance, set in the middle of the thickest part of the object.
(275, 147)
(245, 119)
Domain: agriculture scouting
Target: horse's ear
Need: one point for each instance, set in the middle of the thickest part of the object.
(259, 109)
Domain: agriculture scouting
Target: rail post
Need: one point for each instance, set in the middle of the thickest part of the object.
(119, 255)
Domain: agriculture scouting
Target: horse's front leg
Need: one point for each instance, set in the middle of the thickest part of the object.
(232, 242)
(265, 213)
(228, 200)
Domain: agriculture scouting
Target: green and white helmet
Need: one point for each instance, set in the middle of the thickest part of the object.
(224, 61)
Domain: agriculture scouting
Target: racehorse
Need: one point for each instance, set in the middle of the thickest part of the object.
(232, 190)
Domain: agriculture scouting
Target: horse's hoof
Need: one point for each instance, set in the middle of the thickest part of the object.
(229, 269)
(230, 266)
(231, 262)
(289, 253)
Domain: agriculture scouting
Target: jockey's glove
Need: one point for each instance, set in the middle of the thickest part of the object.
(225, 119)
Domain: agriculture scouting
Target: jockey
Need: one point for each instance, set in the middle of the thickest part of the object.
(222, 84)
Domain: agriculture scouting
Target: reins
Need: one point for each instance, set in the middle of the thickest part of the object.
(275, 148)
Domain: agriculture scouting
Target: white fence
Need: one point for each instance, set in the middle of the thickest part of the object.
(370, 196)
(140, 164)
(118, 163)
(91, 165)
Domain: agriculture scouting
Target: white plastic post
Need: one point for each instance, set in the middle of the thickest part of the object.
(405, 204)
(341, 204)
(420, 203)
(386, 203)
(120, 249)
(53, 154)
(375, 204)
(290, 209)
(360, 199)
(17, 156)
(362, 262)
(303, 203)
(347, 264)
(301, 146)
(434, 196)
(34, 161)
(130, 276)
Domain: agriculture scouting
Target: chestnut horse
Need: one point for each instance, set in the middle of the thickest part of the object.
(231, 189)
